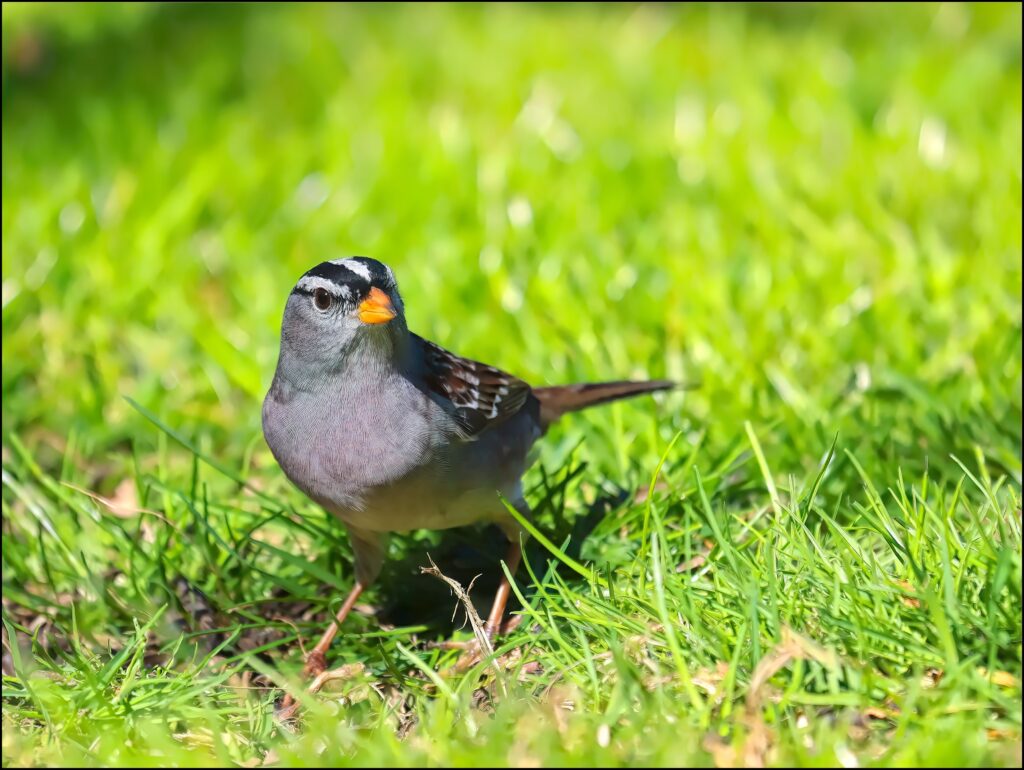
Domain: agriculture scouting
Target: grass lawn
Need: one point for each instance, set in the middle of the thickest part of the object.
(812, 558)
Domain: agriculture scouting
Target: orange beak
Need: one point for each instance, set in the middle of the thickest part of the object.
(376, 308)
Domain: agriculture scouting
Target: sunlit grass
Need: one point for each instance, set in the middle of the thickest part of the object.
(815, 213)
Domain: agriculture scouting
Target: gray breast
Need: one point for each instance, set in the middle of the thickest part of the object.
(338, 446)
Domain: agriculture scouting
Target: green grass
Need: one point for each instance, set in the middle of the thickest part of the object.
(814, 212)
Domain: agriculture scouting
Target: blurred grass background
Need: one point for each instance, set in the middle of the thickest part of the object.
(571, 194)
(814, 211)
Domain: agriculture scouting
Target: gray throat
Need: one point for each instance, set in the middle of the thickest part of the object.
(376, 355)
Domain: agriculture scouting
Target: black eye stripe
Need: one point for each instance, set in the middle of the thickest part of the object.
(347, 282)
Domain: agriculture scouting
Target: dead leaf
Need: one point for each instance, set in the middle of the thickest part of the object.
(996, 734)
(721, 751)
(757, 744)
(124, 504)
(692, 563)
(910, 601)
(792, 647)
(561, 700)
(999, 678)
(710, 680)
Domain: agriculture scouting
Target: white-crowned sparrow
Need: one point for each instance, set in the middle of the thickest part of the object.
(390, 432)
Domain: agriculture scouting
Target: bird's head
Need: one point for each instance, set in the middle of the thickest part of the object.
(340, 309)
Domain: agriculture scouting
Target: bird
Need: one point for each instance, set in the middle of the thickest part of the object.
(390, 432)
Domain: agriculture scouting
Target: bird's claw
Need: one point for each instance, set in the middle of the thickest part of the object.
(472, 653)
(316, 666)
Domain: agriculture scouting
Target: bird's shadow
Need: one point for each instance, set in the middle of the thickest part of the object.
(409, 598)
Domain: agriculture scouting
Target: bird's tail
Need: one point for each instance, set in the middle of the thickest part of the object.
(561, 399)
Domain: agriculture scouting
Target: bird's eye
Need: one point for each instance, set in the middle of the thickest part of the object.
(322, 299)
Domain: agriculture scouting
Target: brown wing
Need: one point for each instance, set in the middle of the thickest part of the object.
(480, 395)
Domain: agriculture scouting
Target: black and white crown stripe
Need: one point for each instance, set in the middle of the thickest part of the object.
(310, 283)
(348, 278)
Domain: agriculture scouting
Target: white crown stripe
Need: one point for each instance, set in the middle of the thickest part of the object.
(356, 267)
(313, 282)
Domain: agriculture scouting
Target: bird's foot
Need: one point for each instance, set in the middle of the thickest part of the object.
(452, 644)
(315, 669)
(316, 664)
(473, 651)
(290, 706)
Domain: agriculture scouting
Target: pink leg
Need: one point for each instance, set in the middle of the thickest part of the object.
(316, 660)
(493, 627)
